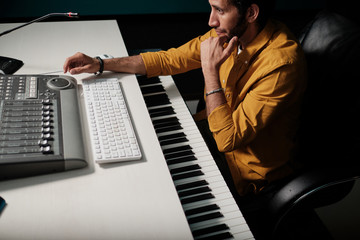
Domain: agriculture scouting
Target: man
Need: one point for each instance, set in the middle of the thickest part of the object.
(254, 73)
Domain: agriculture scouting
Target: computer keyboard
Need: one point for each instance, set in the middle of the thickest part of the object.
(112, 135)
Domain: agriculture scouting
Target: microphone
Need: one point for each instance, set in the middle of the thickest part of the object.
(69, 14)
(11, 65)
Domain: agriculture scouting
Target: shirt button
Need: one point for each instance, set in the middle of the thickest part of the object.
(223, 80)
(246, 62)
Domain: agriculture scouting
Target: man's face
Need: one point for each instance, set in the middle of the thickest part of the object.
(226, 20)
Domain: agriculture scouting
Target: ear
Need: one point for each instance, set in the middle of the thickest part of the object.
(252, 13)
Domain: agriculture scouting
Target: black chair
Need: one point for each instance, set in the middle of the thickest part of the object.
(329, 136)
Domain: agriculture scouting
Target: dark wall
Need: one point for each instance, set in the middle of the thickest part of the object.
(36, 8)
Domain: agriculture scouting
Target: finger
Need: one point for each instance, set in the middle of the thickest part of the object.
(78, 70)
(88, 68)
(231, 46)
(66, 65)
(222, 40)
(73, 61)
(69, 63)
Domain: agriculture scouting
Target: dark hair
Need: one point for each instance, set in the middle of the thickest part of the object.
(266, 8)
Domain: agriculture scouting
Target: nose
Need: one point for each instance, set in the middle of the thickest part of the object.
(213, 20)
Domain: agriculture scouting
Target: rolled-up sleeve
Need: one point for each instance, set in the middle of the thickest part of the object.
(175, 60)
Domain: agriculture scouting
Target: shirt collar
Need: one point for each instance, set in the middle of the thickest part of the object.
(258, 43)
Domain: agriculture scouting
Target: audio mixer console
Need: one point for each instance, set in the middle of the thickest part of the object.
(40, 126)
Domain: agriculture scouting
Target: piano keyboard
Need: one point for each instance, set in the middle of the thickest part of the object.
(210, 209)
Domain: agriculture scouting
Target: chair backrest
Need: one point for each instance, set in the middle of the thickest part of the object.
(330, 126)
(329, 135)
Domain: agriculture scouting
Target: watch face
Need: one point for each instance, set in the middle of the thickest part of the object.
(105, 56)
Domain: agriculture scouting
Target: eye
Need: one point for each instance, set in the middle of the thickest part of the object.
(219, 10)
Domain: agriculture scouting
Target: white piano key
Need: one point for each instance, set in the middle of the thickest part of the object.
(244, 236)
(240, 229)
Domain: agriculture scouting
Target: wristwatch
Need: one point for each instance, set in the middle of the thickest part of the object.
(101, 65)
(100, 58)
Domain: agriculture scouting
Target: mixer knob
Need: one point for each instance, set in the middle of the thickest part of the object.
(46, 130)
(46, 150)
(43, 142)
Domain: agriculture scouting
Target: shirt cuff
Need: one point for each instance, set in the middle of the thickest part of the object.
(151, 66)
(220, 118)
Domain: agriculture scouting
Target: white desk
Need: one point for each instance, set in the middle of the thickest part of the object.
(121, 201)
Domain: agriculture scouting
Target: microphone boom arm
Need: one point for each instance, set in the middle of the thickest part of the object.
(69, 14)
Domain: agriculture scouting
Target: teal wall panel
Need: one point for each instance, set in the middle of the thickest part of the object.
(23, 8)
(36, 8)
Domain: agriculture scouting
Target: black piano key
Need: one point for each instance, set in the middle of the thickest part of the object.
(219, 236)
(152, 89)
(171, 136)
(162, 111)
(199, 210)
(173, 123)
(195, 184)
(143, 80)
(141, 77)
(156, 100)
(165, 120)
(179, 154)
(160, 114)
(187, 175)
(185, 169)
(167, 124)
(181, 160)
(198, 198)
(212, 229)
(173, 141)
(205, 217)
(168, 129)
(176, 149)
(194, 191)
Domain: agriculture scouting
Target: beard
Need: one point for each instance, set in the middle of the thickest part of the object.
(238, 30)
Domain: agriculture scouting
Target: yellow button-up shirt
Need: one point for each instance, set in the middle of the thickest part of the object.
(263, 85)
